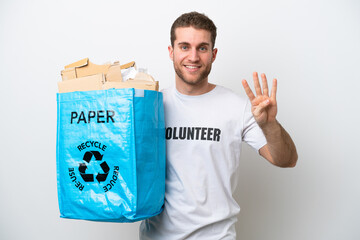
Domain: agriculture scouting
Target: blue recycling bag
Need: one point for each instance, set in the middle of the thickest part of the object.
(110, 154)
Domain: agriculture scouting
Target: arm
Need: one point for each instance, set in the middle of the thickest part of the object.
(280, 150)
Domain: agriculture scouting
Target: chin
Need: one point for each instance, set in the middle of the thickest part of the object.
(192, 80)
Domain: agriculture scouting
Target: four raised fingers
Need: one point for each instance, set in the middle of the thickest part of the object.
(259, 92)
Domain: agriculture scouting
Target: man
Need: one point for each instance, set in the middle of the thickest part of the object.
(205, 126)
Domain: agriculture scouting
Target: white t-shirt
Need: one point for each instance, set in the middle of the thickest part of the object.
(203, 145)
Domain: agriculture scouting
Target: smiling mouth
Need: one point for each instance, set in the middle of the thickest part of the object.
(191, 67)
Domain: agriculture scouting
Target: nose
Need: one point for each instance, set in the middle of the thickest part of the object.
(194, 55)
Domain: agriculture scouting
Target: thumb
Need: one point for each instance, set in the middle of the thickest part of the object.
(261, 107)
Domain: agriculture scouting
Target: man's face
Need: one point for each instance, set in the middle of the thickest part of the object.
(192, 55)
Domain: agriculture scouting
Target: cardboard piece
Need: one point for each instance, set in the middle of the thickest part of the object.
(84, 75)
(85, 68)
(114, 73)
(80, 63)
(128, 65)
(132, 84)
(68, 74)
(88, 83)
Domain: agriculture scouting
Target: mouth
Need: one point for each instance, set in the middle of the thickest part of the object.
(192, 67)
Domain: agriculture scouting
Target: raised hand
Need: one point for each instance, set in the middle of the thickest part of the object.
(263, 106)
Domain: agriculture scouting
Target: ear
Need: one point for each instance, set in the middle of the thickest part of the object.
(214, 53)
(171, 52)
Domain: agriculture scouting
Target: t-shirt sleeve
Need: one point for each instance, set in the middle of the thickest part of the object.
(252, 133)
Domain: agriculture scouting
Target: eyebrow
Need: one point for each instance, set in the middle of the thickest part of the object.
(201, 44)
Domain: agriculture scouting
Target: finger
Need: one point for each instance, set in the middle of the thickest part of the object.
(248, 91)
(264, 84)
(274, 89)
(257, 84)
(261, 107)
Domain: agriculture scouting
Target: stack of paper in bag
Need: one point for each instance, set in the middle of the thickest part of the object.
(84, 75)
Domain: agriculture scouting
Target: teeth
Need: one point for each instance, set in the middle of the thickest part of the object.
(192, 67)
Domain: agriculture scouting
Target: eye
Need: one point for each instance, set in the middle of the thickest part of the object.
(184, 47)
(203, 49)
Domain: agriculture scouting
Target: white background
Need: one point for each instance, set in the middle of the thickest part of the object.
(311, 46)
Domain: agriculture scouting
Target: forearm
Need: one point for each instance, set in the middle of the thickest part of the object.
(281, 148)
